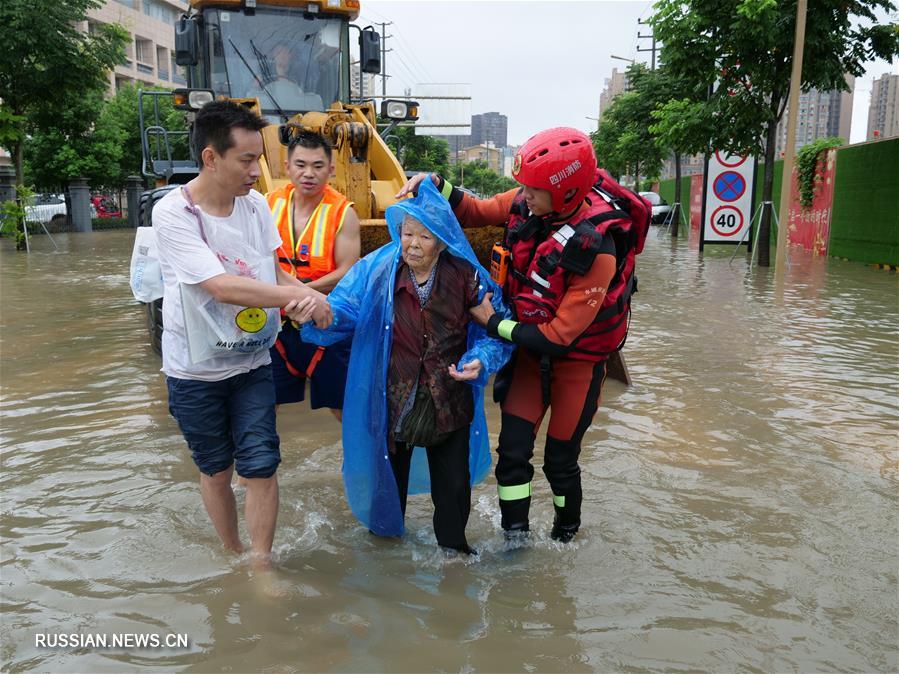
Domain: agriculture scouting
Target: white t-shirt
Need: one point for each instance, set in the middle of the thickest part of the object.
(185, 258)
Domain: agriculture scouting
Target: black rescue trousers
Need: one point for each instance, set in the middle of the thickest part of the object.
(450, 486)
(574, 392)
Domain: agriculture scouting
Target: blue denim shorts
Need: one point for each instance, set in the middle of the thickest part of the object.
(229, 421)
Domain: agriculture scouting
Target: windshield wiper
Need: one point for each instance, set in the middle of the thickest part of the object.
(256, 77)
(309, 59)
(263, 63)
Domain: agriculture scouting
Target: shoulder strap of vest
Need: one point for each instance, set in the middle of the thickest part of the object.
(614, 214)
(623, 302)
(519, 207)
(580, 248)
(617, 203)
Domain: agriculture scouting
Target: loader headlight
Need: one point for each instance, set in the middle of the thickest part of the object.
(192, 99)
(401, 110)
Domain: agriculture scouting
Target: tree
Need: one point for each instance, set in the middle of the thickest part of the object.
(741, 52)
(623, 141)
(479, 177)
(46, 63)
(419, 153)
(96, 138)
(121, 112)
(605, 143)
(80, 142)
(678, 133)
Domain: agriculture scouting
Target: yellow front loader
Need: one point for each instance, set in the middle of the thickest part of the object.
(290, 61)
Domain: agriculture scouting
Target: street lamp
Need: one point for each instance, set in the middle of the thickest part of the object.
(621, 58)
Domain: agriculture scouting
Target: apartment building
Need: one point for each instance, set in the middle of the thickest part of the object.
(150, 55)
(488, 153)
(821, 114)
(883, 113)
(489, 127)
(614, 86)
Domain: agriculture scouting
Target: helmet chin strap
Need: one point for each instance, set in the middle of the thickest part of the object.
(555, 216)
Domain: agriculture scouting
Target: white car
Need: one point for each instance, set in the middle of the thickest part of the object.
(46, 208)
(660, 207)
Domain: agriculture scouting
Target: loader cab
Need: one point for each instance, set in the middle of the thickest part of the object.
(292, 59)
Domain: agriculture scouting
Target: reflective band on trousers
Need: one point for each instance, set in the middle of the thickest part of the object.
(559, 501)
(515, 492)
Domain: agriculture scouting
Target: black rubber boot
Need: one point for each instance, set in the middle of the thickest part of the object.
(564, 475)
(515, 514)
(517, 533)
(563, 531)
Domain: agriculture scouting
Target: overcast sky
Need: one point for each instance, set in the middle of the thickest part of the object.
(540, 63)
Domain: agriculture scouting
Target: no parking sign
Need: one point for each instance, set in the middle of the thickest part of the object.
(727, 198)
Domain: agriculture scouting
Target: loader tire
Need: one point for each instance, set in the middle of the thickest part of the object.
(154, 325)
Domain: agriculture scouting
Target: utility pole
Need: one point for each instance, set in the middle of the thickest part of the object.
(384, 51)
(652, 37)
(786, 191)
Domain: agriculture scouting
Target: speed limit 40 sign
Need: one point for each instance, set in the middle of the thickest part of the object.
(727, 198)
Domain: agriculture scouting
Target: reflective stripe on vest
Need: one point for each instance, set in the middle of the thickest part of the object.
(310, 255)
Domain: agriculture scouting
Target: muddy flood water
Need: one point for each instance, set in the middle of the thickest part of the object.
(740, 499)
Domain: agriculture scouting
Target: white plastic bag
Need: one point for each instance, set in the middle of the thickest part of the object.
(146, 274)
(215, 329)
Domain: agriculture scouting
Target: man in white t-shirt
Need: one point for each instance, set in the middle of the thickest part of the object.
(209, 233)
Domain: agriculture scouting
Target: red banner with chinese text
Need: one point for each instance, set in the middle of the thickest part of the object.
(810, 227)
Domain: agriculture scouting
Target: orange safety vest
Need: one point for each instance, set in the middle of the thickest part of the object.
(311, 255)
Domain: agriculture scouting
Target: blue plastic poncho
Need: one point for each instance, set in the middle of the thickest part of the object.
(363, 308)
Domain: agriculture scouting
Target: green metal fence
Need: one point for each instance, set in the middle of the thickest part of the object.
(864, 223)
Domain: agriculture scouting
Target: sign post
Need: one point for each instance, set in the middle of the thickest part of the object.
(728, 194)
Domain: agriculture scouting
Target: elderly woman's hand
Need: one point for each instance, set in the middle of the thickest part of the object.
(482, 313)
(301, 311)
(469, 371)
(323, 316)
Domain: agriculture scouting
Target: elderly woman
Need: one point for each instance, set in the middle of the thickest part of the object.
(417, 371)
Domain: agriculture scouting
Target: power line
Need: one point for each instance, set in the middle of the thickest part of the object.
(427, 75)
(419, 72)
(413, 77)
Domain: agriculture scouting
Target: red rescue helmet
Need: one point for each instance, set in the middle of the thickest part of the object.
(557, 160)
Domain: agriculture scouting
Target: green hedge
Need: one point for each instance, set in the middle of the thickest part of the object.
(60, 226)
(864, 223)
(109, 223)
(666, 191)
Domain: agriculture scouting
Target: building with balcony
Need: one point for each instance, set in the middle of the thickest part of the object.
(488, 153)
(489, 127)
(614, 86)
(883, 113)
(822, 114)
(362, 85)
(150, 54)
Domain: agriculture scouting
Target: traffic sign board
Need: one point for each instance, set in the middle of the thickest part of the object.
(730, 160)
(727, 221)
(727, 197)
(729, 186)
